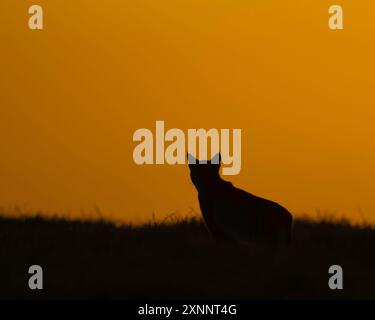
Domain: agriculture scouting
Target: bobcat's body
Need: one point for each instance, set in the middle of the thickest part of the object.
(233, 215)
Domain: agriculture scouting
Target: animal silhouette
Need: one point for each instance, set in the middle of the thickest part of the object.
(233, 215)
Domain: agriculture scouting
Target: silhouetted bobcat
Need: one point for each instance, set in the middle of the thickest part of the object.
(233, 215)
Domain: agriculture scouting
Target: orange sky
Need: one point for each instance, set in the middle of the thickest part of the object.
(72, 95)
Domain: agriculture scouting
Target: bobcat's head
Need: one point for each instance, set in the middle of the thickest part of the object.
(204, 173)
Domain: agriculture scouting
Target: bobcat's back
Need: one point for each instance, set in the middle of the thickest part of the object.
(246, 217)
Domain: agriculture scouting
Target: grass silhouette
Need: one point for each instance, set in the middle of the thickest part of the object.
(83, 259)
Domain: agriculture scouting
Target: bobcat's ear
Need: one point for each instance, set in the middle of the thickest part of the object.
(191, 159)
(216, 159)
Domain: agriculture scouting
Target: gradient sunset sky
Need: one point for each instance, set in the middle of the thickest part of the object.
(72, 95)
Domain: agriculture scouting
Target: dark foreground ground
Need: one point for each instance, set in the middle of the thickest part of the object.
(99, 260)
